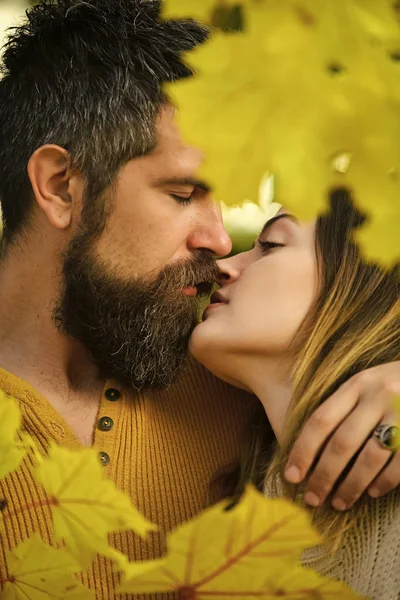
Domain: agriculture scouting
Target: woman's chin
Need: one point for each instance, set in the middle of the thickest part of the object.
(206, 344)
(198, 342)
(212, 338)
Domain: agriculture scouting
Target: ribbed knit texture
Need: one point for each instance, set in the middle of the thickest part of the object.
(368, 559)
(164, 449)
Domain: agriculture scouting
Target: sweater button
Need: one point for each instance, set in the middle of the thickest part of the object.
(104, 458)
(105, 424)
(112, 395)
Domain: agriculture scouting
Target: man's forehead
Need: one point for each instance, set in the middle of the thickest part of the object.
(172, 149)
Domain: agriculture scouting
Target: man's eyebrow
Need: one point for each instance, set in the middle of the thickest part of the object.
(189, 181)
(270, 222)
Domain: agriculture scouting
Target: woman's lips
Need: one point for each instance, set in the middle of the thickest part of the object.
(215, 305)
(210, 308)
(216, 301)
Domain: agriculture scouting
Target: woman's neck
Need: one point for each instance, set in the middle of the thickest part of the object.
(270, 381)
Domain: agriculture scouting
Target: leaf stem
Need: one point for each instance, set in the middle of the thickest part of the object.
(246, 550)
(5, 515)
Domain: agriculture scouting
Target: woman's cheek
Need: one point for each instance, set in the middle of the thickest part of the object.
(276, 299)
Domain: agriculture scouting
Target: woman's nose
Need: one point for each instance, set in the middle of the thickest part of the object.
(229, 270)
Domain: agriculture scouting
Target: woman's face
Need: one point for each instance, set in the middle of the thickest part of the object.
(265, 295)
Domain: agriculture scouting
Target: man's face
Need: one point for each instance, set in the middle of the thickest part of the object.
(130, 295)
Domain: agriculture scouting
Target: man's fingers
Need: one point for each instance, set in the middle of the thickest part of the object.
(388, 480)
(343, 445)
(368, 465)
(318, 428)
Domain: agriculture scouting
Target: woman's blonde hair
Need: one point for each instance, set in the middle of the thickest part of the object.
(354, 325)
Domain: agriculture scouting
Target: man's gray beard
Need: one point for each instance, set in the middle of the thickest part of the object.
(137, 332)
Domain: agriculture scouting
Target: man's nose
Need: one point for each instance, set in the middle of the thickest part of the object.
(210, 233)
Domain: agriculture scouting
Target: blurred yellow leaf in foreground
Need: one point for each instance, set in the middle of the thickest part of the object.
(86, 505)
(309, 91)
(12, 449)
(200, 10)
(250, 551)
(39, 572)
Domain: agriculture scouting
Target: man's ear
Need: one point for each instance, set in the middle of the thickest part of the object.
(53, 184)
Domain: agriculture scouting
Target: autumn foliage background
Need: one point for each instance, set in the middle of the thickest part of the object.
(306, 91)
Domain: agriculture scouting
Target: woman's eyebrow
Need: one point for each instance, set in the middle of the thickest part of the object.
(278, 217)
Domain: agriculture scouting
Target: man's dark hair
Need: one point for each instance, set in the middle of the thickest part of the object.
(86, 75)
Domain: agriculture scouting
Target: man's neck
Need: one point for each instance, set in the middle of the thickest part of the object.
(32, 348)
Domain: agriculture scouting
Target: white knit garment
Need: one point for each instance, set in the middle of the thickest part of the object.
(368, 559)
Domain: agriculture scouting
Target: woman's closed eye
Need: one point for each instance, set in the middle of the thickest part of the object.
(268, 245)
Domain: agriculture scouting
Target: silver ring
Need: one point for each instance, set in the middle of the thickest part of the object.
(388, 437)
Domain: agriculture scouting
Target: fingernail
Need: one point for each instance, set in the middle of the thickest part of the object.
(293, 474)
(374, 492)
(339, 504)
(312, 499)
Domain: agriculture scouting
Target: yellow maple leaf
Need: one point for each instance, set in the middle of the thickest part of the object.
(225, 15)
(227, 551)
(201, 10)
(12, 448)
(305, 82)
(38, 572)
(86, 505)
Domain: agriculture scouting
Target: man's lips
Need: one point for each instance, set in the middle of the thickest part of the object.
(200, 289)
(190, 291)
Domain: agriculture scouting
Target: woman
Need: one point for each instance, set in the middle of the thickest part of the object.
(296, 317)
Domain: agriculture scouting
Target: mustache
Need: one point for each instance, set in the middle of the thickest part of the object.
(201, 271)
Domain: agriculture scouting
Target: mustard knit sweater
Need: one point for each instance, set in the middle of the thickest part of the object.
(163, 449)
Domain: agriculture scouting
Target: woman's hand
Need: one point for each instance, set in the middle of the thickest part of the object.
(336, 432)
